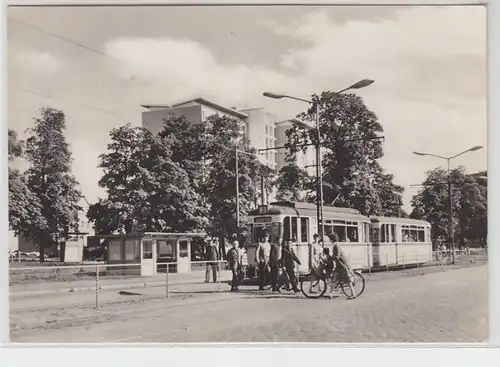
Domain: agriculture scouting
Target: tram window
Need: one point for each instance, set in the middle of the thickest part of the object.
(382, 233)
(393, 233)
(413, 235)
(328, 229)
(275, 232)
(340, 231)
(421, 235)
(406, 235)
(304, 230)
(294, 229)
(286, 228)
(368, 233)
(352, 234)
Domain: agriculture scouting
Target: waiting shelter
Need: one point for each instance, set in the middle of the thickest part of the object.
(150, 249)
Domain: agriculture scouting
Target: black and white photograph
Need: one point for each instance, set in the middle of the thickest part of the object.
(247, 174)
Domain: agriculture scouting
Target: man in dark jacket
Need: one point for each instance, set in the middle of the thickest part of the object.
(211, 255)
(274, 261)
(288, 259)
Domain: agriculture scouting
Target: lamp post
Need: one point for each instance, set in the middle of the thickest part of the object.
(319, 176)
(450, 193)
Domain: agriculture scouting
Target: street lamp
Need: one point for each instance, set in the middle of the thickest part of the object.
(450, 195)
(319, 177)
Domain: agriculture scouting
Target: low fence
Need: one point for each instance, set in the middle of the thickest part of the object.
(85, 285)
(49, 287)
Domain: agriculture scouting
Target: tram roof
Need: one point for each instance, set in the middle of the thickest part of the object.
(399, 220)
(308, 209)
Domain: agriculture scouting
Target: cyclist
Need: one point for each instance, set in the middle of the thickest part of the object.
(343, 270)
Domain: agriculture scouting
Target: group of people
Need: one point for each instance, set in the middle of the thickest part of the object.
(277, 266)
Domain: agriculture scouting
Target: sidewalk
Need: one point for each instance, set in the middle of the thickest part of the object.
(195, 277)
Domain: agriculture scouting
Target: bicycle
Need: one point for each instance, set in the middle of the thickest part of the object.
(310, 282)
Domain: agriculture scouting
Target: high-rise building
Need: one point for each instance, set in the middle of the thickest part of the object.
(258, 125)
(305, 160)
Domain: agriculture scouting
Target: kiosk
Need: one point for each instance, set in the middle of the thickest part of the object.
(150, 251)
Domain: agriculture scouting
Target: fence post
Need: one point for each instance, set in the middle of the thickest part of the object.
(97, 303)
(220, 274)
(166, 281)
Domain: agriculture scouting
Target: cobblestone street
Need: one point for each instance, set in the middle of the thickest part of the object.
(449, 306)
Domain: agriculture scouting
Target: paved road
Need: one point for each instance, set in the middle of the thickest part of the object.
(450, 306)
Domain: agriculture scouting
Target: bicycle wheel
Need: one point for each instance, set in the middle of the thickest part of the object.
(313, 288)
(359, 285)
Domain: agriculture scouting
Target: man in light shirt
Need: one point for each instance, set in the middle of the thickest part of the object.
(314, 258)
(262, 259)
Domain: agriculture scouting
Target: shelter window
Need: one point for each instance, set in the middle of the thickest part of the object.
(132, 249)
(115, 250)
(183, 248)
(147, 251)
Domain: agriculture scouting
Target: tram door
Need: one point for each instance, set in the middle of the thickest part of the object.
(183, 256)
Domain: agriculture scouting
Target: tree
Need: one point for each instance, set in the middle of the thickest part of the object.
(223, 138)
(49, 179)
(268, 177)
(144, 185)
(431, 203)
(293, 183)
(352, 175)
(24, 207)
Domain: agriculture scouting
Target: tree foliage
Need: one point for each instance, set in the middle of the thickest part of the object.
(181, 179)
(293, 183)
(352, 175)
(144, 185)
(469, 195)
(24, 207)
(50, 181)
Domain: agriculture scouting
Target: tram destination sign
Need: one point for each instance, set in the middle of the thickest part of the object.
(263, 220)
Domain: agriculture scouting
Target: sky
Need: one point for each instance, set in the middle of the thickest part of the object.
(100, 64)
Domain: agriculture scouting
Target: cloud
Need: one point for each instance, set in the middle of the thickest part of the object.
(188, 69)
(429, 65)
(438, 53)
(36, 63)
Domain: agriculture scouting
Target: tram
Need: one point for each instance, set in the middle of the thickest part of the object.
(368, 242)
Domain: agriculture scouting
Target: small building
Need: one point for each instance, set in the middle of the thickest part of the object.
(151, 250)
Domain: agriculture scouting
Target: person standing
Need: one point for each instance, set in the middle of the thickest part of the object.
(289, 258)
(234, 261)
(212, 256)
(274, 260)
(262, 259)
